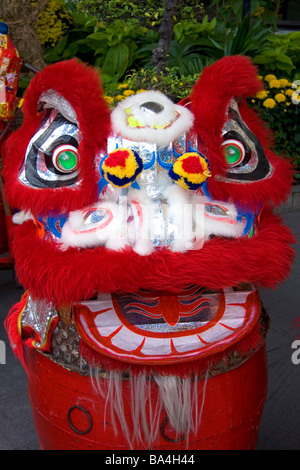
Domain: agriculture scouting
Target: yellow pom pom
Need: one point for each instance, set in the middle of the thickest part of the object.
(121, 167)
(190, 170)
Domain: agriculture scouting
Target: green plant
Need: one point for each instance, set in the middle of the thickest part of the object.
(187, 57)
(248, 37)
(231, 11)
(111, 47)
(281, 54)
(191, 29)
(149, 14)
(74, 43)
(117, 46)
(171, 83)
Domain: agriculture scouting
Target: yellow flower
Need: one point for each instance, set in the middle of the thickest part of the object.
(270, 77)
(289, 92)
(109, 99)
(288, 104)
(128, 92)
(123, 86)
(259, 11)
(274, 83)
(260, 77)
(141, 90)
(269, 103)
(52, 23)
(283, 82)
(262, 94)
(279, 97)
(120, 97)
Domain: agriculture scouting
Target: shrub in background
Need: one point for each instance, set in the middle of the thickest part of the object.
(279, 105)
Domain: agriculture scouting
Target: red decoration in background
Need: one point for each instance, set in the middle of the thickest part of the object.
(10, 64)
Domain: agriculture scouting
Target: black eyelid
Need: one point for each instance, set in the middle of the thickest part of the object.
(59, 121)
(62, 140)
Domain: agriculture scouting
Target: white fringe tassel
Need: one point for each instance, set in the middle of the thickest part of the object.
(179, 398)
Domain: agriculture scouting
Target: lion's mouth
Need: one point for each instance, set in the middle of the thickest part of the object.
(160, 327)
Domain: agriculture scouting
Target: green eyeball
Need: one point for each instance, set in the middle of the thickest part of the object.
(65, 158)
(234, 152)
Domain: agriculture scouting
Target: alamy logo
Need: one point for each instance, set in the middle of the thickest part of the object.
(296, 94)
(2, 352)
(296, 354)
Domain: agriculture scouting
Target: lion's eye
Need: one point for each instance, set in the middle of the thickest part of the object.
(51, 158)
(64, 158)
(234, 152)
(243, 152)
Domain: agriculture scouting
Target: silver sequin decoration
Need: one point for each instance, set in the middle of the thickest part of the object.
(38, 315)
(52, 99)
(41, 167)
(154, 181)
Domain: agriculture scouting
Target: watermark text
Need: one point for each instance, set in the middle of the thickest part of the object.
(2, 352)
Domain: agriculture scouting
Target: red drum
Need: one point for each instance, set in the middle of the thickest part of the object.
(70, 414)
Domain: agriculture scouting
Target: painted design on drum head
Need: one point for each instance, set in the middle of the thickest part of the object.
(164, 328)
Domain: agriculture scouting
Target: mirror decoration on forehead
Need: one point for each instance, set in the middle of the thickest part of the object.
(141, 236)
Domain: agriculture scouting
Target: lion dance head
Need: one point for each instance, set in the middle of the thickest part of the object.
(152, 224)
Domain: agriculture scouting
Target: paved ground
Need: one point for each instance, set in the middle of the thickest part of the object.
(280, 427)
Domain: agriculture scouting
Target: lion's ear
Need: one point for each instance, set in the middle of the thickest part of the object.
(64, 110)
(229, 77)
(252, 175)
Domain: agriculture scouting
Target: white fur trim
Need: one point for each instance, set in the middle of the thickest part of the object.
(75, 233)
(223, 226)
(129, 222)
(180, 118)
(20, 217)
